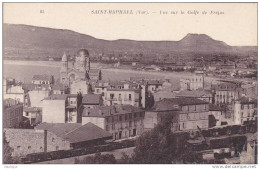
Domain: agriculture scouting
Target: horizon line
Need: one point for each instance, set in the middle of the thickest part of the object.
(132, 39)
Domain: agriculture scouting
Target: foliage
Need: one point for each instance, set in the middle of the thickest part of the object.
(7, 153)
(156, 146)
(98, 159)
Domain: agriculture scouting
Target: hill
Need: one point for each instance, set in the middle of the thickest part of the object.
(32, 41)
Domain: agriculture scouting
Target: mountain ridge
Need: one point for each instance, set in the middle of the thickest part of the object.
(51, 41)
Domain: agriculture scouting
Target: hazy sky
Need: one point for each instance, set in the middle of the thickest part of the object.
(237, 26)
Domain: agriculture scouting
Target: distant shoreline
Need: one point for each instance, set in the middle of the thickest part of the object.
(104, 67)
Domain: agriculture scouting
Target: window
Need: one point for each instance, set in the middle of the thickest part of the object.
(130, 124)
(134, 115)
(141, 114)
(113, 126)
(111, 96)
(107, 128)
(29, 147)
(130, 116)
(130, 97)
(126, 117)
(242, 107)
(120, 118)
(112, 119)
(27, 113)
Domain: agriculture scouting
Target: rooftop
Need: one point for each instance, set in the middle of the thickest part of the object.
(213, 107)
(31, 87)
(75, 132)
(173, 103)
(42, 77)
(247, 100)
(60, 96)
(32, 109)
(195, 93)
(58, 87)
(103, 111)
(86, 132)
(91, 99)
(58, 129)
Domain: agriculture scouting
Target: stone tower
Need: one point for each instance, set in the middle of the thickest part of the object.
(64, 67)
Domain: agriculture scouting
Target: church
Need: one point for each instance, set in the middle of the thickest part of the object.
(80, 71)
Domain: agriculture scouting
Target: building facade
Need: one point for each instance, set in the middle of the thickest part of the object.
(245, 110)
(123, 93)
(12, 113)
(122, 121)
(61, 108)
(193, 83)
(80, 70)
(189, 113)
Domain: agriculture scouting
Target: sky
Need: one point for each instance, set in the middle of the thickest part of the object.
(236, 24)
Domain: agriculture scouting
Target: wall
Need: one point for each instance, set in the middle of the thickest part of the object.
(15, 96)
(13, 116)
(36, 97)
(98, 121)
(26, 141)
(80, 86)
(150, 120)
(193, 116)
(135, 97)
(53, 111)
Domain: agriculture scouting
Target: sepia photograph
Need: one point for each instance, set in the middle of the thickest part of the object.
(130, 83)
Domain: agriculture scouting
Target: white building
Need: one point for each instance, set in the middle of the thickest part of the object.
(245, 110)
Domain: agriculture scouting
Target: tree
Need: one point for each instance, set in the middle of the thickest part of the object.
(125, 159)
(162, 146)
(7, 151)
(158, 145)
(98, 159)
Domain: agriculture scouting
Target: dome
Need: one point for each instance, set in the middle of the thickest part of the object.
(83, 52)
(64, 57)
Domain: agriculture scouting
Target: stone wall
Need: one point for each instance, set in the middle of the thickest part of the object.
(26, 141)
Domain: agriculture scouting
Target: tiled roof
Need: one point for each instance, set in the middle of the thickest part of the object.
(195, 93)
(247, 100)
(42, 77)
(31, 87)
(91, 99)
(183, 101)
(60, 96)
(86, 132)
(58, 87)
(103, 111)
(213, 107)
(32, 109)
(58, 129)
(75, 132)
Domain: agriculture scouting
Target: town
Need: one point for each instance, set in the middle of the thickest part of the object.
(79, 113)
